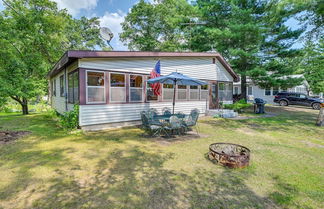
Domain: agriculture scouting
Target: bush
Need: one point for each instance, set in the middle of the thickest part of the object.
(238, 106)
(70, 120)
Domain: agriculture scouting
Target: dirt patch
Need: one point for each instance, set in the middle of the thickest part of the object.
(9, 136)
(177, 139)
(246, 131)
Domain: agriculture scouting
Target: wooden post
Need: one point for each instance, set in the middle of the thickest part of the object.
(320, 119)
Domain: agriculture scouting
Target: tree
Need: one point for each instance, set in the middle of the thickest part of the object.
(252, 36)
(278, 59)
(156, 26)
(312, 65)
(33, 36)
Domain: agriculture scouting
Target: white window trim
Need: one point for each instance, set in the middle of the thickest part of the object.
(194, 90)
(129, 89)
(104, 87)
(236, 87)
(110, 87)
(177, 92)
(247, 90)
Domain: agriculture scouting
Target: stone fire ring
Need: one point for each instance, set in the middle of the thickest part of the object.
(229, 155)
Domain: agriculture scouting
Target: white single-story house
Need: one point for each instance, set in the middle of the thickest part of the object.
(254, 91)
(111, 90)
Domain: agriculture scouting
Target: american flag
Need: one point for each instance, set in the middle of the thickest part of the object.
(156, 72)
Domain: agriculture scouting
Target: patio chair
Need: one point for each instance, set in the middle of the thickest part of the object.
(181, 114)
(152, 129)
(175, 125)
(150, 114)
(191, 120)
(166, 111)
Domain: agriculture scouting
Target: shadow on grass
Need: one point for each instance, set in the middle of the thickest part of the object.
(22, 162)
(137, 179)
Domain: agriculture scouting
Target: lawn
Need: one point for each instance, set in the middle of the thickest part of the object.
(51, 168)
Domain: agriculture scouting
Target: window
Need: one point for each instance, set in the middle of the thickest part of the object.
(182, 92)
(168, 91)
(96, 87)
(250, 90)
(73, 87)
(150, 96)
(62, 85)
(267, 91)
(225, 91)
(54, 87)
(236, 90)
(117, 87)
(302, 96)
(275, 91)
(194, 93)
(136, 88)
(203, 92)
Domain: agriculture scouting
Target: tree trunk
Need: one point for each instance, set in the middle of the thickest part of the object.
(320, 119)
(243, 87)
(24, 106)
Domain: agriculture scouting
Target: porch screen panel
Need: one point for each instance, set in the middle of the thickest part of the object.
(168, 92)
(117, 87)
(194, 92)
(203, 92)
(182, 92)
(95, 87)
(225, 91)
(136, 88)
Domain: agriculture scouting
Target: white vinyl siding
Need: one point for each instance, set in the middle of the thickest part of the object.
(196, 67)
(113, 113)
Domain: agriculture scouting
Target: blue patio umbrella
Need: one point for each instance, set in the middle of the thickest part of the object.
(176, 78)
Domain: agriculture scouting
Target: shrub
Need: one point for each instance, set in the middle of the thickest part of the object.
(238, 106)
(70, 120)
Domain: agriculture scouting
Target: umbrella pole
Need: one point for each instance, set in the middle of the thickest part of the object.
(174, 93)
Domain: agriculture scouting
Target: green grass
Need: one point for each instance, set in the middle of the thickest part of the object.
(121, 168)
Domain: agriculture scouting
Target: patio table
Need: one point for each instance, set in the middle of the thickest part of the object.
(167, 117)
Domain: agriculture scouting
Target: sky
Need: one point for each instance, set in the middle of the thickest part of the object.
(111, 14)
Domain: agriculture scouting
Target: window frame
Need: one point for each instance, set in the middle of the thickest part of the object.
(147, 86)
(54, 87)
(198, 98)
(62, 86)
(181, 90)
(247, 90)
(236, 87)
(265, 90)
(104, 87)
(110, 87)
(129, 88)
(172, 89)
(200, 94)
(73, 96)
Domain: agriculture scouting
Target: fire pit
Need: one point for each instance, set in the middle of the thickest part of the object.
(230, 155)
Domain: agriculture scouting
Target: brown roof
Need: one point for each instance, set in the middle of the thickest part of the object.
(70, 56)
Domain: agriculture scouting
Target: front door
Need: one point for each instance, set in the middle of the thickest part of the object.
(213, 101)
